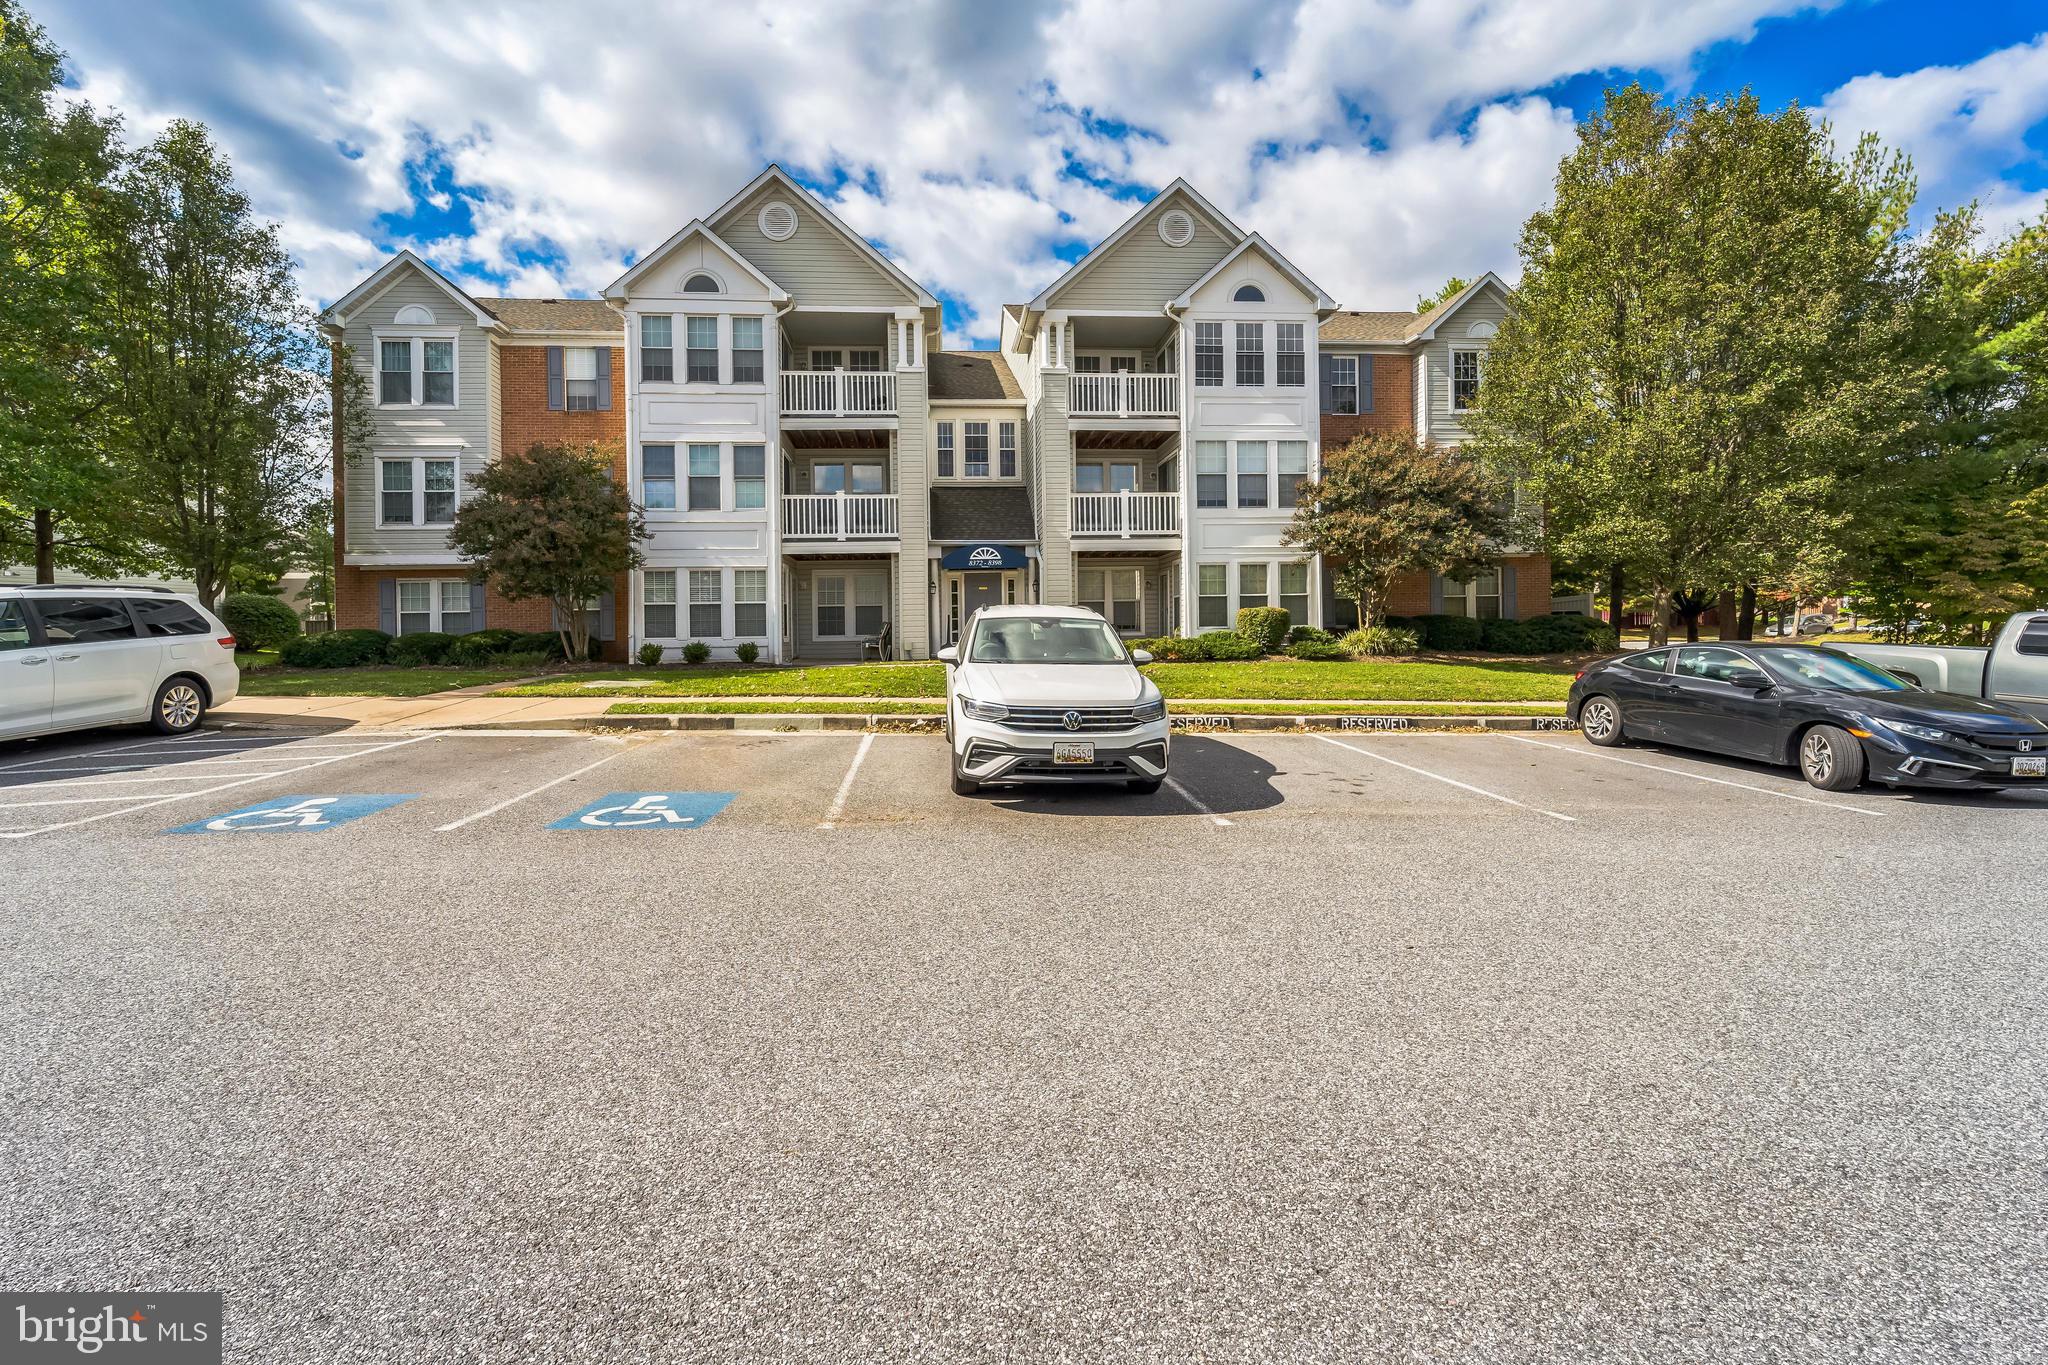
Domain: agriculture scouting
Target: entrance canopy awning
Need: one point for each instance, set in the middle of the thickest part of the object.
(984, 557)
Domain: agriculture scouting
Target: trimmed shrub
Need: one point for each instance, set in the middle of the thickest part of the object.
(1379, 642)
(1266, 625)
(1228, 646)
(522, 658)
(427, 647)
(1169, 649)
(1562, 634)
(1509, 637)
(696, 652)
(336, 649)
(1317, 651)
(650, 655)
(1451, 632)
(258, 622)
(747, 651)
(481, 647)
(1314, 633)
(547, 643)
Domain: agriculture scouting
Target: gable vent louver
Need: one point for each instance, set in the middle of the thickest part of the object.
(778, 221)
(1176, 228)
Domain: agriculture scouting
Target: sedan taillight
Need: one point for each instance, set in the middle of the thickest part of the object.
(226, 642)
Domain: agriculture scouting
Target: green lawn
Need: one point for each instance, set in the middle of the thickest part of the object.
(933, 708)
(1465, 680)
(275, 680)
(1374, 708)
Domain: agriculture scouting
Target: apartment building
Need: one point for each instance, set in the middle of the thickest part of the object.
(823, 481)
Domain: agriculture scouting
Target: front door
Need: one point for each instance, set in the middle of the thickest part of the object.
(981, 590)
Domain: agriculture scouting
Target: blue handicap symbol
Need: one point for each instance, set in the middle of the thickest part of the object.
(648, 810)
(292, 815)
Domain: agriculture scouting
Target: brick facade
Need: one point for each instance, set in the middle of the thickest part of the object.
(1393, 404)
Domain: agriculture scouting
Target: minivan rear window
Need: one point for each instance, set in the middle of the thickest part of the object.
(83, 620)
(168, 616)
(14, 626)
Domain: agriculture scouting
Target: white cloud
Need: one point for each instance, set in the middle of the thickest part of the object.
(1382, 145)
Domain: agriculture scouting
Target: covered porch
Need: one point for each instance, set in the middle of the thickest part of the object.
(839, 605)
(1137, 591)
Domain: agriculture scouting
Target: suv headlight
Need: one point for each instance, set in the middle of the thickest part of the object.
(1148, 711)
(1900, 727)
(980, 710)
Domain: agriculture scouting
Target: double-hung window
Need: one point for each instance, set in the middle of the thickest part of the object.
(434, 604)
(829, 592)
(746, 351)
(1251, 355)
(1112, 594)
(1294, 590)
(1006, 433)
(1290, 360)
(657, 348)
(1212, 474)
(700, 353)
(1251, 585)
(1344, 385)
(394, 372)
(750, 603)
(865, 360)
(707, 603)
(1212, 595)
(976, 464)
(579, 378)
(1293, 470)
(1464, 379)
(749, 476)
(437, 373)
(658, 604)
(1208, 355)
(416, 491)
(1478, 596)
(704, 479)
(415, 606)
(658, 477)
(415, 372)
(1251, 474)
(870, 604)
(945, 450)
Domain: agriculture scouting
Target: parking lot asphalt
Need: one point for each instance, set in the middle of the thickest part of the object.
(565, 1047)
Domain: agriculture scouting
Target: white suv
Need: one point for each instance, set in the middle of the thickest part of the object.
(77, 655)
(1050, 694)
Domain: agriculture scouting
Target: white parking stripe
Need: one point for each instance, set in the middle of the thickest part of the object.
(515, 800)
(155, 775)
(1697, 777)
(69, 801)
(1184, 794)
(838, 807)
(1449, 781)
(206, 791)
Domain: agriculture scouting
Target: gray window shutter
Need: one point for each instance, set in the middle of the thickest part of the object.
(387, 606)
(604, 617)
(1324, 364)
(555, 403)
(1365, 383)
(477, 594)
(1436, 594)
(1507, 593)
(604, 379)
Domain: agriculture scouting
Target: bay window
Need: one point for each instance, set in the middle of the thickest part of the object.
(700, 353)
(1251, 474)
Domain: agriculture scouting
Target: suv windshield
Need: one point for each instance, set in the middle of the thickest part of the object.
(1829, 672)
(1044, 640)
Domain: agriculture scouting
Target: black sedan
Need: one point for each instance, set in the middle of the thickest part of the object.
(1837, 719)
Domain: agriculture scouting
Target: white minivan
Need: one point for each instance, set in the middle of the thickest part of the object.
(76, 655)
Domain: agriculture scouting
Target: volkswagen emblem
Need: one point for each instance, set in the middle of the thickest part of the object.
(1072, 720)
(2026, 746)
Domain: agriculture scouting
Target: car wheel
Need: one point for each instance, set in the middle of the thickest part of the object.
(1145, 786)
(1831, 759)
(1600, 722)
(963, 785)
(179, 705)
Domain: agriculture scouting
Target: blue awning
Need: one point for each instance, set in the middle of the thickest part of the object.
(984, 557)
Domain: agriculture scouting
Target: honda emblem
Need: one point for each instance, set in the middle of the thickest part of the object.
(2026, 746)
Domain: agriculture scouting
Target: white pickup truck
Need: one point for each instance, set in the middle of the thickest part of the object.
(2013, 670)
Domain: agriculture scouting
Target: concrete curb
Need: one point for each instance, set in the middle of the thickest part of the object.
(1182, 724)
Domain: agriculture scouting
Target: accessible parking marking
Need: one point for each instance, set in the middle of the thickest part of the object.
(648, 810)
(1697, 777)
(292, 815)
(1451, 781)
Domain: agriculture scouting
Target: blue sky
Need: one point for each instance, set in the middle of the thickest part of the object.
(535, 148)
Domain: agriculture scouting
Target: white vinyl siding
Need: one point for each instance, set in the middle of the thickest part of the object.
(815, 264)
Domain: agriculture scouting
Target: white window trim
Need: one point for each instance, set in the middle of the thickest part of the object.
(851, 577)
(419, 490)
(1478, 354)
(434, 616)
(418, 336)
(1352, 384)
(1234, 598)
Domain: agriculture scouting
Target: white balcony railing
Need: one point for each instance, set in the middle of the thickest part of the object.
(839, 516)
(1126, 514)
(838, 393)
(1125, 395)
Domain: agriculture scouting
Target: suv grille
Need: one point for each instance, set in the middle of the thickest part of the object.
(1090, 718)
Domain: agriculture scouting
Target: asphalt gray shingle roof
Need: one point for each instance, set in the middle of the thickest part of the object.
(555, 315)
(1381, 326)
(982, 375)
(998, 512)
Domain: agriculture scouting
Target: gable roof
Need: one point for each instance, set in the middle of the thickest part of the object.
(555, 315)
(1426, 324)
(1230, 231)
(695, 227)
(1382, 326)
(336, 313)
(963, 376)
(777, 176)
(1254, 242)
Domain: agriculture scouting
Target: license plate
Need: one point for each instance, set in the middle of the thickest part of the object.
(1073, 753)
(2030, 767)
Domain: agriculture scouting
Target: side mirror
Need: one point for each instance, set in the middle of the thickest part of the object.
(1752, 679)
(949, 655)
(1141, 656)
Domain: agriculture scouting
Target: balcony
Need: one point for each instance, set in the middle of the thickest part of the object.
(839, 516)
(1124, 395)
(1126, 515)
(838, 393)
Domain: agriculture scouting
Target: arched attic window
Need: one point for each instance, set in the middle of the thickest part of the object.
(1248, 293)
(413, 315)
(702, 283)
